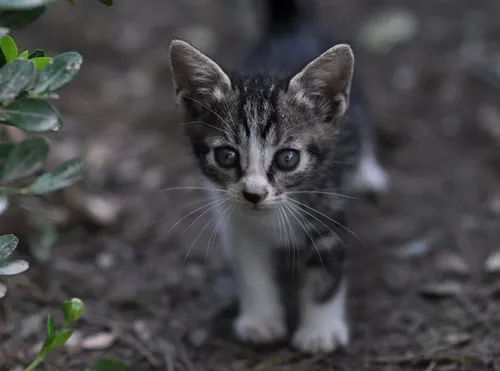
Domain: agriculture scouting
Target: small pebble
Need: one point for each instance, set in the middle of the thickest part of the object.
(198, 337)
(105, 260)
(142, 330)
(416, 248)
(492, 264)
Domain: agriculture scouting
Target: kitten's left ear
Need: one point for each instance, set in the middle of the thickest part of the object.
(195, 75)
(326, 79)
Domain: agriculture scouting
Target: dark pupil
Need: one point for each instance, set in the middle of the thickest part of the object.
(226, 157)
(287, 159)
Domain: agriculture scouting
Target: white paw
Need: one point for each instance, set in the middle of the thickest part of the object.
(370, 177)
(259, 329)
(317, 337)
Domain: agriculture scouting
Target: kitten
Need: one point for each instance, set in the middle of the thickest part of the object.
(273, 144)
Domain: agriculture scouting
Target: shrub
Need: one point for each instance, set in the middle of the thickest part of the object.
(29, 80)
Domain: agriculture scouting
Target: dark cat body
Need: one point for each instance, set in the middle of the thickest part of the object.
(280, 156)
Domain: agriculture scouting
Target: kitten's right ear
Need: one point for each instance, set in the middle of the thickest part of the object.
(196, 77)
(328, 78)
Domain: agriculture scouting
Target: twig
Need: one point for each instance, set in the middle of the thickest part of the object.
(139, 347)
(168, 352)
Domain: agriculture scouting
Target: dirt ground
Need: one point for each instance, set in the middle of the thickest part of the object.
(422, 297)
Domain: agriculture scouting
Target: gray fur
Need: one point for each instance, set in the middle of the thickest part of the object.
(303, 210)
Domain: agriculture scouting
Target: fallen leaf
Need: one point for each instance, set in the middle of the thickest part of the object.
(102, 340)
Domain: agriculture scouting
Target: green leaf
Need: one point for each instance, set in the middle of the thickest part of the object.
(24, 55)
(25, 159)
(9, 48)
(8, 244)
(63, 175)
(5, 149)
(15, 76)
(15, 19)
(22, 4)
(58, 72)
(38, 53)
(51, 329)
(73, 310)
(107, 2)
(31, 114)
(108, 365)
(41, 62)
(59, 339)
(13, 267)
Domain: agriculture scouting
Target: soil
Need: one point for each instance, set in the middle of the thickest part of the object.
(420, 297)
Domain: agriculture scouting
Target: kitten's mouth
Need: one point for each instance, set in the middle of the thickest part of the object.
(259, 208)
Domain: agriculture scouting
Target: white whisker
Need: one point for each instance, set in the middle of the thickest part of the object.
(216, 229)
(306, 230)
(201, 231)
(319, 220)
(327, 217)
(324, 193)
(209, 205)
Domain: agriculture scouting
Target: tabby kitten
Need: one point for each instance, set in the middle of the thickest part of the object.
(279, 157)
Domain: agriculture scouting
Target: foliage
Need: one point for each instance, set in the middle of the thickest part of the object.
(28, 80)
(54, 338)
(8, 244)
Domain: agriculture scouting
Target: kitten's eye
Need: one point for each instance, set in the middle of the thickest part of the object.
(287, 159)
(226, 157)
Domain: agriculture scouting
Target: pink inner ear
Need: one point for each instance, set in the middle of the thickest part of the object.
(194, 73)
(329, 75)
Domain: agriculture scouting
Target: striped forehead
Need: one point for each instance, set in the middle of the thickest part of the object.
(257, 111)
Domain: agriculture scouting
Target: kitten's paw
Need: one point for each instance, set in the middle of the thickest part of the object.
(259, 329)
(321, 337)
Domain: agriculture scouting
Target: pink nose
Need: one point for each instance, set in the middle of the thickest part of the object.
(255, 198)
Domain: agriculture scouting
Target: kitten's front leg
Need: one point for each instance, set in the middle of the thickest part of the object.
(262, 317)
(323, 324)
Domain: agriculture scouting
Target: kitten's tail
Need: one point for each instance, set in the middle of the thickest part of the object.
(285, 14)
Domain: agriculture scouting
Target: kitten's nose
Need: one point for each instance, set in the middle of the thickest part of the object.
(255, 198)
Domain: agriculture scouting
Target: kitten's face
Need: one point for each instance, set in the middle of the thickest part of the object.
(258, 137)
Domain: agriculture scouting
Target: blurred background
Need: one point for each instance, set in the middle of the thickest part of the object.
(426, 274)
